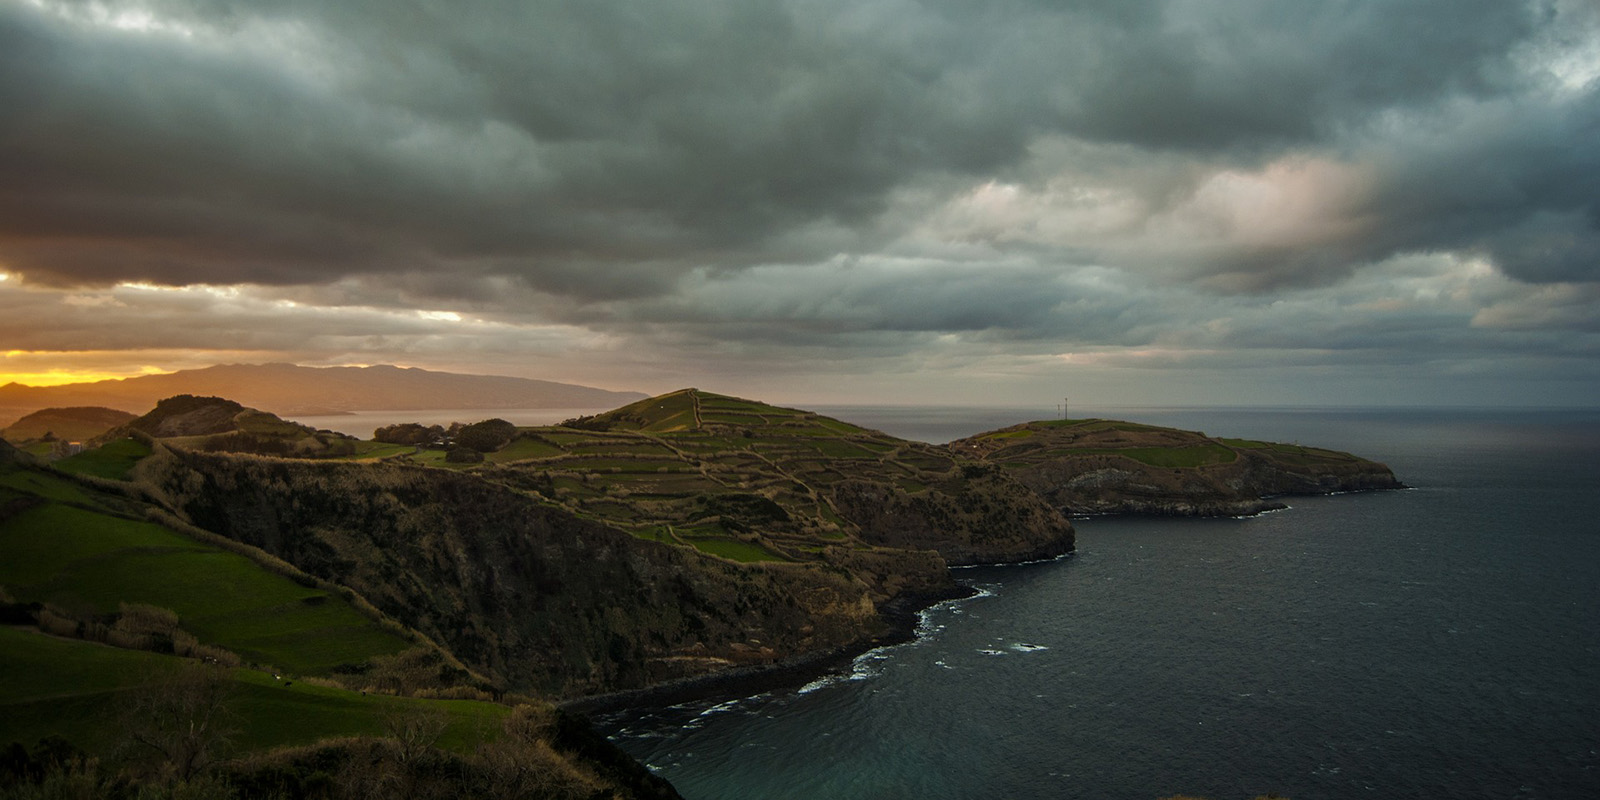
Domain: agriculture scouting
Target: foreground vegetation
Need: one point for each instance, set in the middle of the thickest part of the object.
(138, 661)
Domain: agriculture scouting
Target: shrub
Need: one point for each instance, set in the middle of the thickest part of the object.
(408, 433)
(134, 641)
(463, 455)
(57, 624)
(486, 436)
(214, 655)
(139, 618)
(587, 423)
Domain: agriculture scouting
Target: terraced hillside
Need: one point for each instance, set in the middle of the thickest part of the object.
(753, 482)
(1099, 466)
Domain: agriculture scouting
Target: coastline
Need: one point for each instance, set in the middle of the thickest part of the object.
(900, 614)
(1207, 508)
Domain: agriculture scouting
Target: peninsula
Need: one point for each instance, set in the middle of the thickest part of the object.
(1101, 466)
(680, 539)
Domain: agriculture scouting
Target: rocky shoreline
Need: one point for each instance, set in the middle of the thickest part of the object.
(900, 614)
(1201, 505)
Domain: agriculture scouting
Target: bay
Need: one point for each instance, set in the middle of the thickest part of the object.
(1442, 641)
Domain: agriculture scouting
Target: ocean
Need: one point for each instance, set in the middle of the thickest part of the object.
(1436, 642)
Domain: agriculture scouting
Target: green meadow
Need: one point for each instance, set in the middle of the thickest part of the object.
(112, 460)
(76, 690)
(88, 561)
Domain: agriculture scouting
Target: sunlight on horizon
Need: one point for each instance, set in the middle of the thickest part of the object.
(64, 377)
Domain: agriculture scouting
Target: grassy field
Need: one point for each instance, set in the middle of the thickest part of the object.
(74, 689)
(88, 562)
(111, 460)
(44, 485)
(68, 545)
(524, 447)
(735, 550)
(1173, 457)
(371, 451)
(1291, 452)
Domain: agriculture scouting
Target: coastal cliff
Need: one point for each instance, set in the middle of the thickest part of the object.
(1099, 466)
(684, 536)
(691, 544)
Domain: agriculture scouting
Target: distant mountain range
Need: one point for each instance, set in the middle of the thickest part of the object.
(287, 389)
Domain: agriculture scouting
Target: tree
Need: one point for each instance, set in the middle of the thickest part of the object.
(486, 436)
(408, 433)
(182, 720)
(521, 763)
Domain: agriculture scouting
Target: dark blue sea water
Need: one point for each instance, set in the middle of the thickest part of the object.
(1439, 642)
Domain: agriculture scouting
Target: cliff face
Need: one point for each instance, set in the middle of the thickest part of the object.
(983, 517)
(1109, 467)
(518, 590)
(690, 533)
(682, 536)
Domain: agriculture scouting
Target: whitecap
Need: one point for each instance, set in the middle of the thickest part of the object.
(1062, 557)
(719, 708)
(820, 683)
(1024, 647)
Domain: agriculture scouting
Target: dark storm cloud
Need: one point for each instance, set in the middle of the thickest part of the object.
(604, 150)
(1514, 180)
(1248, 74)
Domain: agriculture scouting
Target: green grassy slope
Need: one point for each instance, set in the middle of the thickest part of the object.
(70, 545)
(79, 549)
(74, 689)
(88, 560)
(111, 461)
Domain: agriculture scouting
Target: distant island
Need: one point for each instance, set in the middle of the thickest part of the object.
(680, 544)
(290, 390)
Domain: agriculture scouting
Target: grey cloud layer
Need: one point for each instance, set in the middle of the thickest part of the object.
(939, 182)
(289, 142)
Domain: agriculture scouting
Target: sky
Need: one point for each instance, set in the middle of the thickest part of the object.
(1141, 202)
